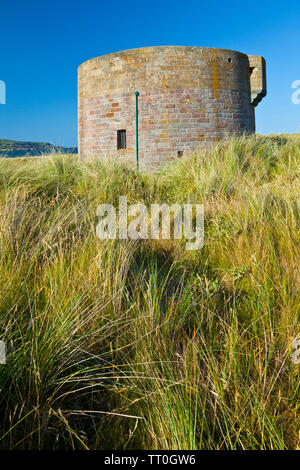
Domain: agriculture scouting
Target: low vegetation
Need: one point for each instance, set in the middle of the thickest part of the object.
(123, 344)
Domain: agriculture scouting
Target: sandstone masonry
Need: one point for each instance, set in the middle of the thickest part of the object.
(187, 96)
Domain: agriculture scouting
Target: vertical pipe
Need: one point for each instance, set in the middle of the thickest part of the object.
(136, 129)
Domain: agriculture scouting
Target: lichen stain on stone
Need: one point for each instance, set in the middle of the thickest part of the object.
(215, 78)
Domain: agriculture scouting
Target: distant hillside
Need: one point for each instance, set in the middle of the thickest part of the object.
(11, 149)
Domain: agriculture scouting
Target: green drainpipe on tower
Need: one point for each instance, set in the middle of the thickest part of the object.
(137, 129)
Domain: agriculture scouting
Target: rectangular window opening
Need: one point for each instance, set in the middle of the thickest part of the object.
(121, 139)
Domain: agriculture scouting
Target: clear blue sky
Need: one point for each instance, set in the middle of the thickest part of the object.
(42, 42)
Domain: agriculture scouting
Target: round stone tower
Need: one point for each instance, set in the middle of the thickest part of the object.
(186, 96)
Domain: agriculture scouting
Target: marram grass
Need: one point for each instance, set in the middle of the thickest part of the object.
(140, 344)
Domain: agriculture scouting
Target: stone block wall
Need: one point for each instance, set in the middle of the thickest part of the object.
(187, 96)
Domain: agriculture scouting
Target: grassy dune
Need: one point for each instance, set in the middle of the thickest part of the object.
(144, 345)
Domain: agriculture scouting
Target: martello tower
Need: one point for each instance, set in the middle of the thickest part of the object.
(187, 96)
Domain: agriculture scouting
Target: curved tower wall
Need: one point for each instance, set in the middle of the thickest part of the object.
(187, 96)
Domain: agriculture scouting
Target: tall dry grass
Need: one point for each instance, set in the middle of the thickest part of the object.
(122, 344)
